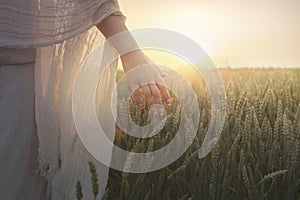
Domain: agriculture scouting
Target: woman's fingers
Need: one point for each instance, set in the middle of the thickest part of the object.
(157, 99)
(137, 98)
(153, 98)
(155, 94)
(164, 93)
(147, 80)
(163, 90)
(148, 97)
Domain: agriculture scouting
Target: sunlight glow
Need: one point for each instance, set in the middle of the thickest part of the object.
(234, 33)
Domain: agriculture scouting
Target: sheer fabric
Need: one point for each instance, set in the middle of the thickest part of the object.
(63, 158)
(34, 23)
(62, 32)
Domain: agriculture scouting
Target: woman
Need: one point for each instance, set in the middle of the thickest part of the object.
(42, 43)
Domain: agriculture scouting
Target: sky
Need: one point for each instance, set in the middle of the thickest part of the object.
(255, 33)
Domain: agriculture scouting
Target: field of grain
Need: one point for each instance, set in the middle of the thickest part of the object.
(256, 157)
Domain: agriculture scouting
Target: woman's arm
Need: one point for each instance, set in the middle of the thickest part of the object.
(141, 71)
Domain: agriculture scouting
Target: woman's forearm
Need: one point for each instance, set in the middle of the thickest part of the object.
(141, 71)
(114, 25)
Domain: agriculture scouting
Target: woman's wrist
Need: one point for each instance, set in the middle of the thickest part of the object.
(134, 59)
(131, 54)
(117, 34)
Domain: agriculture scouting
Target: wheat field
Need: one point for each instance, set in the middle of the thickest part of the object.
(257, 156)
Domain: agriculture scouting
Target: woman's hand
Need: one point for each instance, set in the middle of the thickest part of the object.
(143, 75)
(146, 79)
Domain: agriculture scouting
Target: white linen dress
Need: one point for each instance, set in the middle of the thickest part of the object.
(42, 44)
